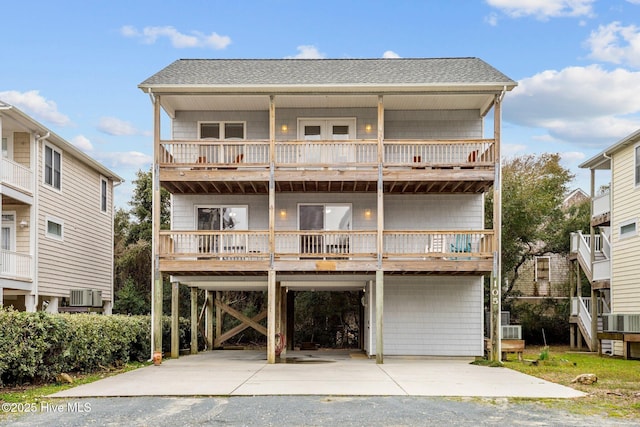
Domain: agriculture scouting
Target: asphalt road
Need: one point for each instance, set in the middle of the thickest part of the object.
(296, 411)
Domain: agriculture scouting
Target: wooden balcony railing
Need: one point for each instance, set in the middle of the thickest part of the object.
(360, 154)
(353, 245)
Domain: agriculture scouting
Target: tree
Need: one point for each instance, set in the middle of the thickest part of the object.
(132, 245)
(533, 188)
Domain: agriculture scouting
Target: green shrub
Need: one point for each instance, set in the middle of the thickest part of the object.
(39, 346)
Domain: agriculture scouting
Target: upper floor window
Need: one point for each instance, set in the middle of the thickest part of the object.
(103, 194)
(52, 166)
(543, 264)
(222, 130)
(628, 228)
(637, 165)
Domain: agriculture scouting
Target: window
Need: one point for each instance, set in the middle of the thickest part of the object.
(543, 268)
(103, 194)
(52, 166)
(222, 218)
(628, 229)
(637, 166)
(221, 130)
(54, 229)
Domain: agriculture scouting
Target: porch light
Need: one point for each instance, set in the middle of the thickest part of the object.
(367, 213)
(283, 213)
(284, 128)
(367, 128)
(24, 224)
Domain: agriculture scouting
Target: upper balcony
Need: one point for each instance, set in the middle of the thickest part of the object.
(248, 252)
(17, 181)
(408, 166)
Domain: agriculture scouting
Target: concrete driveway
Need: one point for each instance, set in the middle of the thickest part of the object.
(246, 373)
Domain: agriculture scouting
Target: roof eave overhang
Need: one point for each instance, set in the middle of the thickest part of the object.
(602, 160)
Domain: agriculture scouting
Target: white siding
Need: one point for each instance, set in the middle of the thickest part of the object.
(625, 268)
(408, 124)
(414, 212)
(434, 316)
(84, 258)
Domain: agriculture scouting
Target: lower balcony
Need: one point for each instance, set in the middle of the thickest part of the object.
(14, 265)
(404, 252)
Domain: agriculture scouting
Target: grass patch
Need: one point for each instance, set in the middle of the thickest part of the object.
(37, 393)
(615, 394)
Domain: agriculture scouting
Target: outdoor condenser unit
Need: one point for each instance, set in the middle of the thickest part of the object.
(81, 298)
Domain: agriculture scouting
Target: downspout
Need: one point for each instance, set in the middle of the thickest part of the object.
(34, 213)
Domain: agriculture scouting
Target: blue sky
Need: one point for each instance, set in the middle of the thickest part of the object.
(75, 65)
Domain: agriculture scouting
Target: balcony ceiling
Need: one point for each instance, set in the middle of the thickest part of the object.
(229, 102)
(390, 187)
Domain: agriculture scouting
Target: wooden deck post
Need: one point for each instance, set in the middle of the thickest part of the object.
(594, 294)
(208, 320)
(283, 319)
(496, 274)
(379, 316)
(194, 320)
(219, 317)
(291, 300)
(156, 283)
(175, 327)
(380, 238)
(271, 317)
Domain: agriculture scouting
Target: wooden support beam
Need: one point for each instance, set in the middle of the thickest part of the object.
(194, 320)
(175, 327)
(219, 318)
(379, 316)
(291, 300)
(209, 320)
(156, 284)
(241, 317)
(237, 329)
(496, 276)
(283, 319)
(271, 318)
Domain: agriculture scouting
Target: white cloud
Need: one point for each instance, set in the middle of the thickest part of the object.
(36, 105)
(615, 43)
(491, 19)
(117, 127)
(634, 1)
(512, 150)
(585, 105)
(543, 9)
(390, 54)
(307, 52)
(82, 142)
(572, 156)
(127, 159)
(178, 40)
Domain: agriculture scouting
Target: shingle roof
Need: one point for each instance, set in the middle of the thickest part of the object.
(327, 72)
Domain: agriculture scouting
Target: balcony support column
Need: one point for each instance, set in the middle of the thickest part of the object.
(208, 319)
(380, 238)
(194, 320)
(594, 305)
(271, 317)
(156, 283)
(175, 331)
(495, 294)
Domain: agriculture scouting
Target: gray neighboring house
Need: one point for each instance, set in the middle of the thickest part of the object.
(57, 220)
(332, 175)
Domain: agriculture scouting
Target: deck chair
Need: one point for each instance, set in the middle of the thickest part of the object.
(462, 244)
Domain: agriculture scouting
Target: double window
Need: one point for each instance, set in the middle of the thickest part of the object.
(221, 130)
(52, 167)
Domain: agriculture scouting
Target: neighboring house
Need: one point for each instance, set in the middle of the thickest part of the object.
(332, 175)
(611, 257)
(57, 220)
(549, 274)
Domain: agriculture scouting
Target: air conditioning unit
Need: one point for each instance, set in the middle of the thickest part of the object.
(631, 323)
(96, 298)
(81, 298)
(511, 332)
(613, 322)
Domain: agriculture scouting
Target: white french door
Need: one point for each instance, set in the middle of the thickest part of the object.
(8, 243)
(326, 130)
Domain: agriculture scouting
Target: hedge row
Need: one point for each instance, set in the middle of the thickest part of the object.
(39, 346)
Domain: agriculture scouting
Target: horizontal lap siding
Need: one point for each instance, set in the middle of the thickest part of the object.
(84, 258)
(626, 252)
(439, 316)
